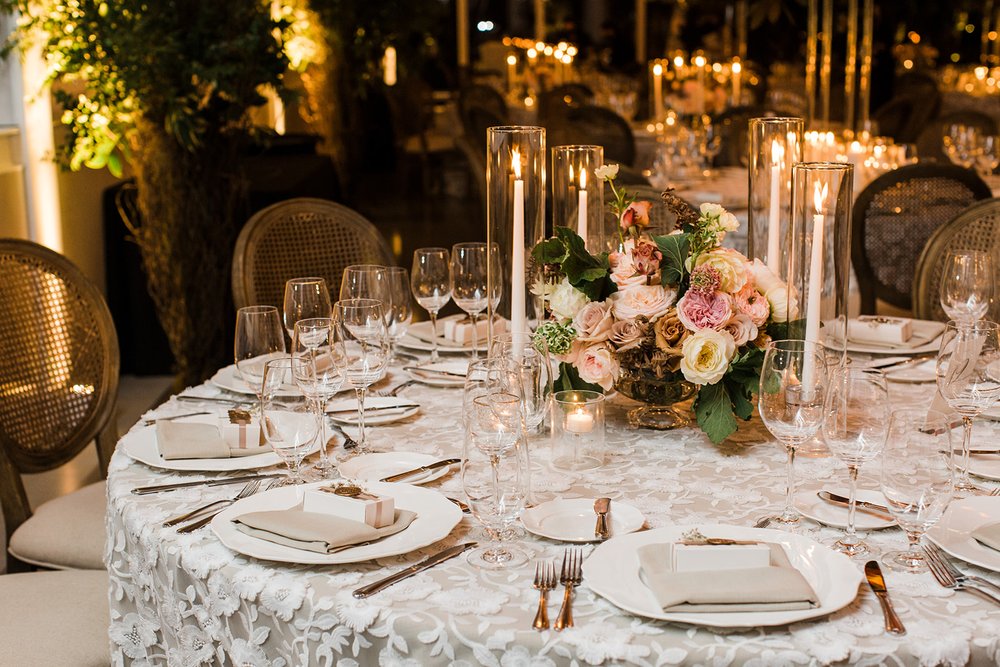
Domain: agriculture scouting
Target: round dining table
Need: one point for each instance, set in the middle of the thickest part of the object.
(186, 599)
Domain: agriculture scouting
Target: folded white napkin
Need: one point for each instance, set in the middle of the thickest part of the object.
(193, 440)
(779, 587)
(313, 531)
(988, 535)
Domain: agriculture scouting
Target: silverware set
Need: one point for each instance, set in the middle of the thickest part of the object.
(248, 490)
(570, 576)
(951, 577)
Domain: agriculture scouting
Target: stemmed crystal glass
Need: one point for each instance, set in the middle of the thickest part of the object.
(365, 281)
(968, 377)
(430, 281)
(290, 428)
(318, 376)
(258, 340)
(793, 380)
(400, 312)
(917, 479)
(469, 263)
(493, 475)
(967, 285)
(305, 298)
(854, 427)
(362, 351)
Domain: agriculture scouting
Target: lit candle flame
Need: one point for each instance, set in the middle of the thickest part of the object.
(571, 179)
(657, 69)
(819, 197)
(777, 153)
(583, 179)
(512, 59)
(678, 61)
(737, 68)
(515, 159)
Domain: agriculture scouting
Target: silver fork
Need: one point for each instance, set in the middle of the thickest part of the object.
(950, 576)
(395, 390)
(349, 442)
(571, 576)
(545, 581)
(245, 492)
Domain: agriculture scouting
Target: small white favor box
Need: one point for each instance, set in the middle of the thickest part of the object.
(352, 503)
(702, 557)
(242, 435)
(880, 330)
(460, 330)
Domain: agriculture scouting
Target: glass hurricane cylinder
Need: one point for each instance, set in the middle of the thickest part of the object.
(515, 218)
(775, 144)
(578, 195)
(658, 87)
(578, 430)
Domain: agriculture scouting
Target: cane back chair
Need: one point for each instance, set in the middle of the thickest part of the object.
(893, 218)
(58, 386)
(301, 237)
(596, 126)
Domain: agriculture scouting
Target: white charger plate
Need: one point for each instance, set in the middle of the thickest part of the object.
(436, 517)
(373, 467)
(982, 465)
(374, 418)
(228, 378)
(441, 380)
(574, 520)
(812, 507)
(953, 532)
(916, 374)
(612, 571)
(926, 335)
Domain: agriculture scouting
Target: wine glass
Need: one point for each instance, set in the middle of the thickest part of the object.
(792, 389)
(483, 377)
(365, 281)
(400, 312)
(917, 478)
(967, 284)
(362, 351)
(493, 475)
(430, 281)
(968, 377)
(305, 298)
(468, 279)
(290, 428)
(258, 340)
(854, 427)
(319, 377)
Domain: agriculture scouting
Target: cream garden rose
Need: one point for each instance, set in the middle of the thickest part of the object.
(705, 356)
(593, 322)
(565, 301)
(650, 301)
(731, 265)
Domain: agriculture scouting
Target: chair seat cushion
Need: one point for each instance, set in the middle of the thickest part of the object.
(65, 533)
(55, 619)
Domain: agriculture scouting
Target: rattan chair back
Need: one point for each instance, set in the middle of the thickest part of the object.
(893, 218)
(301, 237)
(597, 126)
(58, 368)
(975, 228)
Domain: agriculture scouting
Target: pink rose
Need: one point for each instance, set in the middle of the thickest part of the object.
(650, 301)
(741, 328)
(597, 365)
(698, 311)
(623, 271)
(636, 214)
(626, 334)
(646, 258)
(752, 303)
(593, 322)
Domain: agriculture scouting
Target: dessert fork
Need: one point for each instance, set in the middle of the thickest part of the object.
(245, 492)
(571, 576)
(545, 581)
(950, 576)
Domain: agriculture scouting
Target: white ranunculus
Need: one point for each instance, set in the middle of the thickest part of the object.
(705, 356)
(650, 301)
(565, 301)
(764, 278)
(731, 265)
(725, 220)
(606, 172)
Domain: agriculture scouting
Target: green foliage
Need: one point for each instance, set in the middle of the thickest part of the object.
(713, 408)
(717, 406)
(585, 272)
(675, 251)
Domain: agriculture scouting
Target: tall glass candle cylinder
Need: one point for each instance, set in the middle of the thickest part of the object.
(775, 145)
(515, 219)
(578, 195)
(657, 88)
(820, 262)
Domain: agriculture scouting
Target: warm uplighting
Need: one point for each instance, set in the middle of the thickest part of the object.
(46, 216)
(548, 50)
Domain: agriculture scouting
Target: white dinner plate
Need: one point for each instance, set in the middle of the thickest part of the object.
(228, 378)
(453, 377)
(811, 506)
(346, 410)
(612, 571)
(436, 517)
(373, 467)
(953, 532)
(982, 465)
(574, 520)
(926, 338)
(915, 374)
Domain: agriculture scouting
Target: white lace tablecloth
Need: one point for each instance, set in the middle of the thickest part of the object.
(188, 600)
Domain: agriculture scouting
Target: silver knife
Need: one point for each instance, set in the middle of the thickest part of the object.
(873, 573)
(439, 557)
(146, 490)
(874, 509)
(433, 371)
(905, 363)
(375, 410)
(416, 471)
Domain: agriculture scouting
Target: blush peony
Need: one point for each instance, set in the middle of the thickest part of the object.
(698, 311)
(741, 328)
(753, 304)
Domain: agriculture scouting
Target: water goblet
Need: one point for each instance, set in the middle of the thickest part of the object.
(469, 263)
(258, 339)
(362, 343)
(967, 285)
(319, 377)
(430, 281)
(400, 310)
(289, 428)
(305, 298)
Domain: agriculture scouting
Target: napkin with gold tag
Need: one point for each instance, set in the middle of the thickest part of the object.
(198, 440)
(316, 531)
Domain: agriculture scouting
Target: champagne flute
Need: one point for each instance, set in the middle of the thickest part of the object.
(305, 298)
(400, 310)
(968, 377)
(258, 340)
(430, 281)
(289, 428)
(917, 479)
(967, 285)
(468, 278)
(792, 389)
(363, 351)
(319, 376)
(854, 427)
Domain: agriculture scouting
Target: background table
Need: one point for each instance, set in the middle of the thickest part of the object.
(188, 600)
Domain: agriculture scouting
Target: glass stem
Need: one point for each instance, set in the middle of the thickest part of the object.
(475, 336)
(789, 515)
(362, 438)
(320, 404)
(434, 335)
(852, 507)
(963, 480)
(913, 554)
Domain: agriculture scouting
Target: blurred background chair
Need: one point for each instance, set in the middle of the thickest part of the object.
(598, 126)
(301, 237)
(975, 228)
(905, 116)
(893, 218)
(480, 96)
(930, 141)
(59, 382)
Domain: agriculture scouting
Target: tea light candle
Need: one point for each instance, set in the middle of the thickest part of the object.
(579, 421)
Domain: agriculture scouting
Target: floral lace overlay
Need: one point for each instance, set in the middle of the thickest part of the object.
(188, 600)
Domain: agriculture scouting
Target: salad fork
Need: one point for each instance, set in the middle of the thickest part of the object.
(545, 581)
(571, 576)
(394, 392)
(950, 576)
(245, 492)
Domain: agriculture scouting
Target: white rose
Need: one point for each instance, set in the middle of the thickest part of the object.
(593, 322)
(783, 306)
(731, 265)
(728, 221)
(764, 277)
(709, 210)
(565, 301)
(741, 328)
(650, 301)
(705, 356)
(606, 172)
(597, 365)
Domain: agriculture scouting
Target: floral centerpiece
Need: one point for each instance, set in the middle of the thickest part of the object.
(677, 307)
